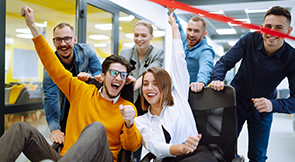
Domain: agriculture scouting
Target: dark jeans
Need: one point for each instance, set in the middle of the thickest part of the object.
(258, 132)
(92, 145)
(201, 154)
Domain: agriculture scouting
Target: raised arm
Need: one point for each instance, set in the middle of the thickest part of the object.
(62, 78)
(179, 73)
(28, 13)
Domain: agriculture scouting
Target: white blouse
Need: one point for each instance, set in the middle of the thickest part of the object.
(178, 119)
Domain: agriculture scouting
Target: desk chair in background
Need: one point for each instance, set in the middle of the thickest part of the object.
(127, 94)
(216, 120)
(19, 94)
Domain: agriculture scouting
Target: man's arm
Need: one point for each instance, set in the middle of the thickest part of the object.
(131, 138)
(206, 66)
(62, 78)
(227, 62)
(181, 31)
(51, 108)
(284, 105)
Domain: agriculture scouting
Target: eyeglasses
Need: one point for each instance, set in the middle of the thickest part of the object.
(58, 40)
(115, 73)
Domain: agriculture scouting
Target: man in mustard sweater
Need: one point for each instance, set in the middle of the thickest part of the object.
(96, 117)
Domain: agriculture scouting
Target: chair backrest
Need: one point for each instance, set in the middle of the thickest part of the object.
(14, 92)
(23, 96)
(7, 95)
(215, 116)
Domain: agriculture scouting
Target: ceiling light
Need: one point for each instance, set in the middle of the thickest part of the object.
(9, 41)
(220, 12)
(226, 31)
(128, 44)
(255, 11)
(129, 35)
(99, 37)
(242, 20)
(126, 18)
(232, 43)
(254, 30)
(25, 30)
(26, 36)
(105, 26)
(158, 34)
(100, 45)
(42, 25)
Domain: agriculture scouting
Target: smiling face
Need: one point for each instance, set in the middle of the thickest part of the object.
(65, 50)
(278, 23)
(150, 90)
(195, 33)
(113, 85)
(142, 37)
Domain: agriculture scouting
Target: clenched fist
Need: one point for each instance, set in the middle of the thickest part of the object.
(128, 114)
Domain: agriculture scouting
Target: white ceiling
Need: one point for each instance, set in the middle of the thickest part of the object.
(234, 9)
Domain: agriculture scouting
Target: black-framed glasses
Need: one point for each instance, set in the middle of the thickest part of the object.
(58, 40)
(115, 73)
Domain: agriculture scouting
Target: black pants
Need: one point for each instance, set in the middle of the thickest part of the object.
(201, 154)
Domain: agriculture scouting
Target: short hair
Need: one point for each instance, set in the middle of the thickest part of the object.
(115, 59)
(198, 18)
(61, 25)
(279, 11)
(164, 83)
(146, 24)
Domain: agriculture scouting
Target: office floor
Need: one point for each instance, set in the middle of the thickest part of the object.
(281, 146)
(282, 140)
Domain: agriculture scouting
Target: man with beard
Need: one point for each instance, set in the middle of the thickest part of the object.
(198, 54)
(77, 58)
(266, 60)
(100, 122)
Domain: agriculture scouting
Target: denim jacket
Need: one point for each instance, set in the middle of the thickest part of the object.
(54, 100)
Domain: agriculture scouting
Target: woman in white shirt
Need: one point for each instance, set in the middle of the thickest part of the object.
(168, 128)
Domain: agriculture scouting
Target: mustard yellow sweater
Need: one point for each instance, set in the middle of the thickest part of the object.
(87, 105)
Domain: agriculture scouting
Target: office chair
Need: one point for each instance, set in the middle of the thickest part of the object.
(18, 95)
(215, 116)
(216, 119)
(127, 94)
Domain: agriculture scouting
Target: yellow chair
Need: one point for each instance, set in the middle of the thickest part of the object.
(19, 94)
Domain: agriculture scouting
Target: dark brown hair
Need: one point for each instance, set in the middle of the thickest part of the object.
(279, 11)
(115, 59)
(164, 83)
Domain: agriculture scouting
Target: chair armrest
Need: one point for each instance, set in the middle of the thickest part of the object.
(57, 146)
(238, 159)
(148, 157)
(126, 156)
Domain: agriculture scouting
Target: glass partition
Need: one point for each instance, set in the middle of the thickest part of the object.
(99, 31)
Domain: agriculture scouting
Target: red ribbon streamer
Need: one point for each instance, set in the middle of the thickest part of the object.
(225, 19)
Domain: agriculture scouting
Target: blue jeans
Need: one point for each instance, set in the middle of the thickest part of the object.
(258, 134)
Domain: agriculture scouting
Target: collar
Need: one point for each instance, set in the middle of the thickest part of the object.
(149, 114)
(278, 54)
(110, 99)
